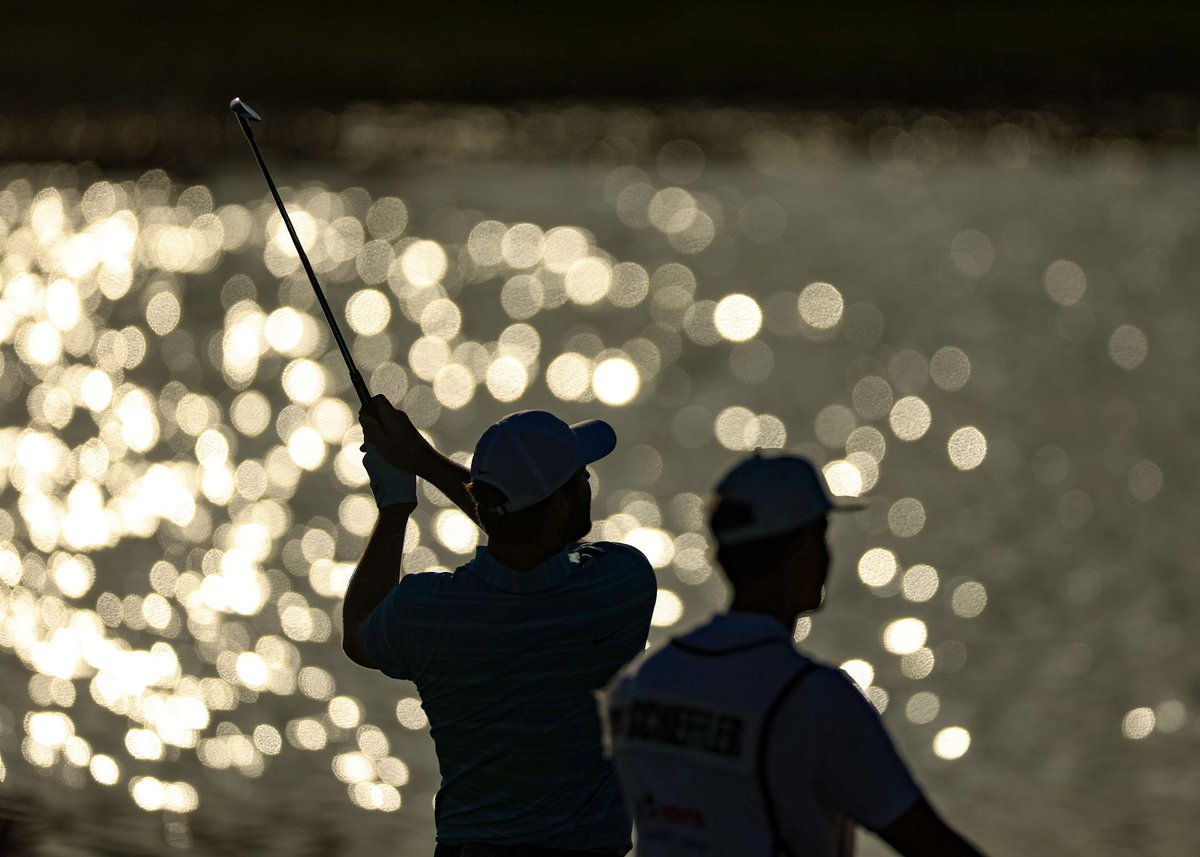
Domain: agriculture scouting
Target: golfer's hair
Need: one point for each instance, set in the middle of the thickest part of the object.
(745, 560)
(520, 526)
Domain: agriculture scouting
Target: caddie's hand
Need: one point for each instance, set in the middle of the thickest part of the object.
(394, 436)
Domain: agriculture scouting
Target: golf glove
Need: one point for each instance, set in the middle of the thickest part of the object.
(390, 485)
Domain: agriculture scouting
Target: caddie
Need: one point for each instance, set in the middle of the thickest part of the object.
(728, 740)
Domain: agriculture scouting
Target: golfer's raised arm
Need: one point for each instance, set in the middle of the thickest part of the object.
(395, 452)
(378, 571)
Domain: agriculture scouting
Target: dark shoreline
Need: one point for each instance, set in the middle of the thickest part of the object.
(1106, 60)
(191, 139)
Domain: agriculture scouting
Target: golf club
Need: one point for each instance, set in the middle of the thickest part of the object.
(245, 115)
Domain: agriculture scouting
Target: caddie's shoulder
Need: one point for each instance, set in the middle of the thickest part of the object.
(815, 670)
(834, 690)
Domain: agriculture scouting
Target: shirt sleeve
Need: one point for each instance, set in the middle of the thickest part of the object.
(858, 770)
(635, 586)
(643, 591)
(382, 634)
(644, 586)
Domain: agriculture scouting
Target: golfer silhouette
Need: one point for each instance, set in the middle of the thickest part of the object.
(507, 650)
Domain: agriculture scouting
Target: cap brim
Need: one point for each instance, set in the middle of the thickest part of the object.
(596, 439)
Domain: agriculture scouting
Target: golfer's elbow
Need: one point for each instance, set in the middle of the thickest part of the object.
(358, 656)
(353, 647)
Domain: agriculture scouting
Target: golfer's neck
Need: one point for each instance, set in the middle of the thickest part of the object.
(522, 556)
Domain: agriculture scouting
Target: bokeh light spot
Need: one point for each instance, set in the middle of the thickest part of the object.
(967, 448)
(569, 376)
(877, 567)
(1145, 480)
(1138, 723)
(906, 517)
(843, 478)
(950, 368)
(1128, 347)
(668, 609)
(737, 317)
(821, 306)
(615, 381)
(859, 670)
(904, 636)
(1065, 282)
(368, 312)
(951, 743)
(424, 263)
(969, 599)
(920, 583)
(910, 418)
(507, 379)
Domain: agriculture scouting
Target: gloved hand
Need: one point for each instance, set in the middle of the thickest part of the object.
(393, 434)
(390, 485)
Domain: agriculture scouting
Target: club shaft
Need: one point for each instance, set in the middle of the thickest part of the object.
(360, 386)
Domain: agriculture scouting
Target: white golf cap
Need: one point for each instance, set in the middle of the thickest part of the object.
(781, 493)
(531, 454)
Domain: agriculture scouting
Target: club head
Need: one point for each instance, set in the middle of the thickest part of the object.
(241, 108)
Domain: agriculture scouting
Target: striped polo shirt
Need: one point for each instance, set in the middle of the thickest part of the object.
(506, 663)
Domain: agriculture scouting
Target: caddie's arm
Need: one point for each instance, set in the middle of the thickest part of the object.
(860, 772)
(400, 444)
(920, 832)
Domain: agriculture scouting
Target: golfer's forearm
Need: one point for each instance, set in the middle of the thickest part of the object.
(451, 478)
(378, 571)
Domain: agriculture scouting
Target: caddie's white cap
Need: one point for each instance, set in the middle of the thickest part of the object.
(531, 454)
(781, 493)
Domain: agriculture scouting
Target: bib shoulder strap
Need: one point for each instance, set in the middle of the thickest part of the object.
(732, 650)
(779, 844)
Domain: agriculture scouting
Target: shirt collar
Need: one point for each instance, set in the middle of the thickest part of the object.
(738, 627)
(549, 574)
(743, 622)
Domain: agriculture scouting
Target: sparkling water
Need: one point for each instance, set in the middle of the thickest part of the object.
(986, 332)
